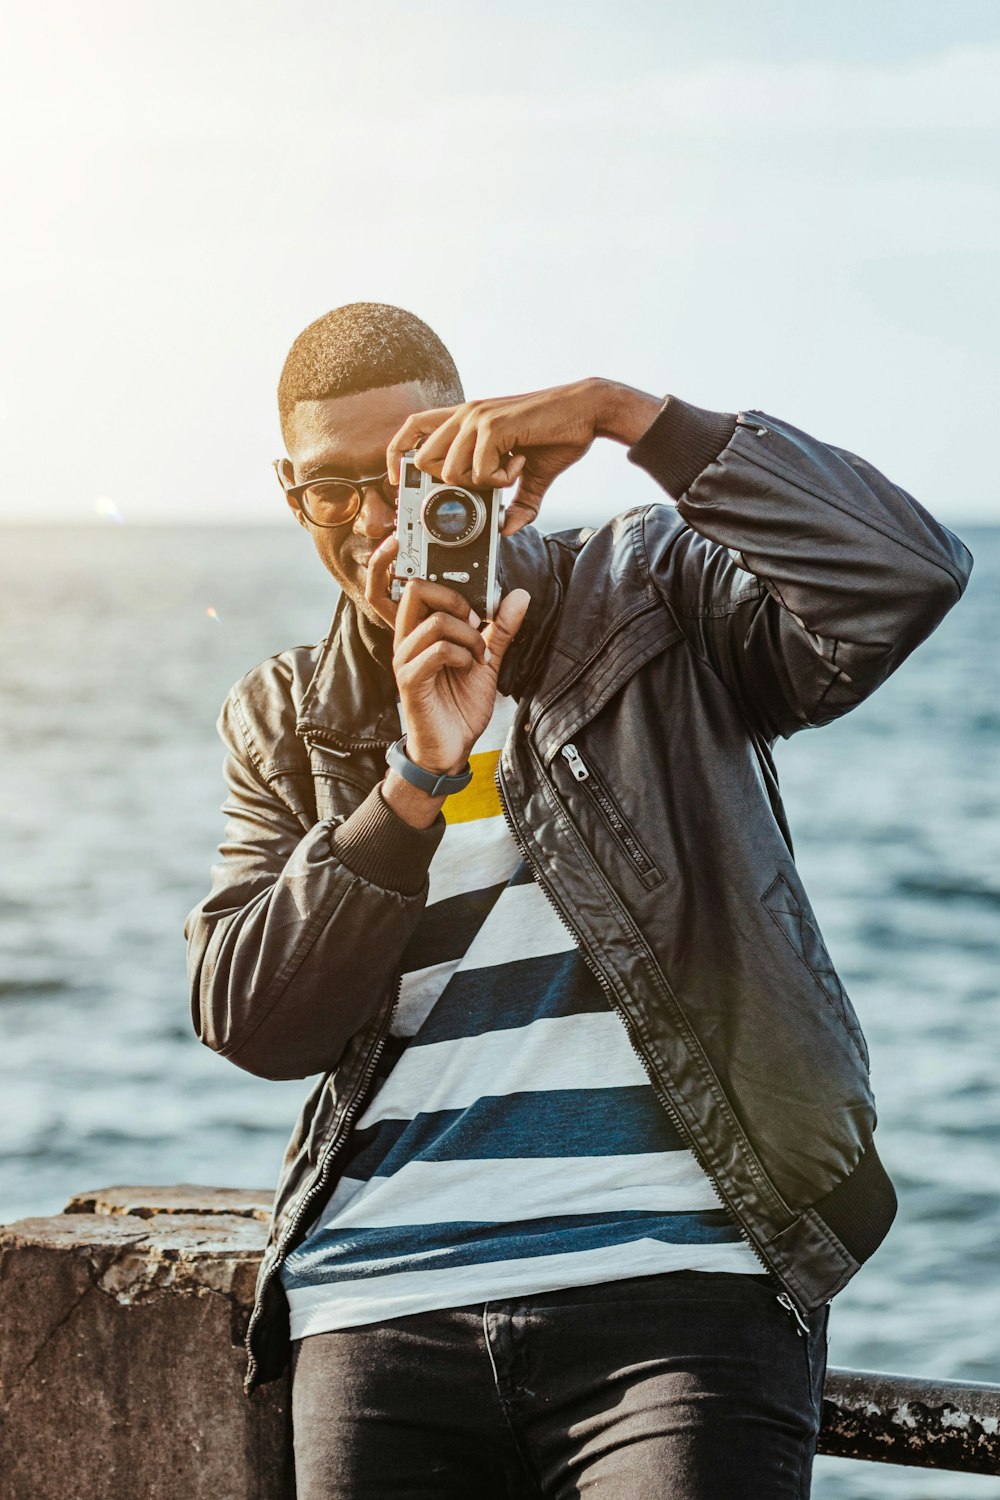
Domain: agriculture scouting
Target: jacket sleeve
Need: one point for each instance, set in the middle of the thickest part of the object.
(804, 577)
(297, 943)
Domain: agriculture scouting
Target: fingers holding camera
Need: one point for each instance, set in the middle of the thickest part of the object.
(528, 439)
(378, 579)
(422, 599)
(438, 641)
(502, 629)
(445, 638)
(412, 434)
(541, 468)
(466, 444)
(473, 445)
(446, 672)
(440, 662)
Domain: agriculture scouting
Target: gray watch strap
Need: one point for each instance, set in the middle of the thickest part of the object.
(427, 781)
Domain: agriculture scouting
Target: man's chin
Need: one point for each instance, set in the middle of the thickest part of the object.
(361, 604)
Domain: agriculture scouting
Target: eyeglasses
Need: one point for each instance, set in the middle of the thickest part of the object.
(335, 502)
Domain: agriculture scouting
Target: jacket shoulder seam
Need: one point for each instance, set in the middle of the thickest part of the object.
(256, 759)
(282, 656)
(266, 776)
(266, 771)
(790, 476)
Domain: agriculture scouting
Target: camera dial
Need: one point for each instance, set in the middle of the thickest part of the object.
(453, 516)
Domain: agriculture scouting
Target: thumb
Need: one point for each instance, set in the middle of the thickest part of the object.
(523, 509)
(508, 620)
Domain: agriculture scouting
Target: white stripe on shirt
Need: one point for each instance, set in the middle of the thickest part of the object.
(578, 1052)
(509, 1190)
(316, 1309)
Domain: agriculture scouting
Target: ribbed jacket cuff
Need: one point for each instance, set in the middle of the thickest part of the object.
(861, 1208)
(680, 442)
(377, 845)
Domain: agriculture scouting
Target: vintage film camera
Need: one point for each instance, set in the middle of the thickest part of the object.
(450, 535)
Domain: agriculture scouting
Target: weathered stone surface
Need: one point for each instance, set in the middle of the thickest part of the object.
(181, 1198)
(121, 1358)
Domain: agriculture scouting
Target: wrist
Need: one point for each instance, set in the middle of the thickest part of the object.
(623, 413)
(434, 763)
(414, 789)
(384, 848)
(408, 802)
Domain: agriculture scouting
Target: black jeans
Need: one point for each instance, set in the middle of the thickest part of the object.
(685, 1386)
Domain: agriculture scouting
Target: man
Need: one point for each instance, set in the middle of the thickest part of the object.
(592, 1146)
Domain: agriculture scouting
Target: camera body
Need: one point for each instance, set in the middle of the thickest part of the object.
(448, 534)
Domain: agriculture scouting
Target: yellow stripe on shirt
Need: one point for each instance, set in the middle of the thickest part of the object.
(480, 798)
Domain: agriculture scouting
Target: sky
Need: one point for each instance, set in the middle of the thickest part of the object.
(788, 207)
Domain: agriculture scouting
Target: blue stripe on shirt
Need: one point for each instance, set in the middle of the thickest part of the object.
(446, 929)
(554, 1122)
(515, 994)
(354, 1254)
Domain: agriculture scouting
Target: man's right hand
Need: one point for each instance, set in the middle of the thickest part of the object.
(446, 670)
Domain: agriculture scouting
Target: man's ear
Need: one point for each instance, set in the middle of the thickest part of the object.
(286, 476)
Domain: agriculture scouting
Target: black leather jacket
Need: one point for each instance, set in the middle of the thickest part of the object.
(662, 655)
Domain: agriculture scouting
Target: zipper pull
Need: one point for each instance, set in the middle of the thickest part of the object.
(570, 754)
(789, 1306)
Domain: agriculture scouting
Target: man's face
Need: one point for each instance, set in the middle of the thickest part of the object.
(345, 437)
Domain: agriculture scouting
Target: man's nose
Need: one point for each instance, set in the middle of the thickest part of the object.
(377, 517)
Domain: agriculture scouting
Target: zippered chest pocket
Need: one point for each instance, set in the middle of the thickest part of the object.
(593, 786)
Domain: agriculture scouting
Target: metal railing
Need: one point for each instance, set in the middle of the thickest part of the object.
(897, 1419)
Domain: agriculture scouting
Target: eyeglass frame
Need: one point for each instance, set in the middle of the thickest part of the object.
(297, 492)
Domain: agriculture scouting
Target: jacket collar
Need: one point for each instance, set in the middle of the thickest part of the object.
(350, 702)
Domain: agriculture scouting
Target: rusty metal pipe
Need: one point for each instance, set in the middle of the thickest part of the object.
(898, 1419)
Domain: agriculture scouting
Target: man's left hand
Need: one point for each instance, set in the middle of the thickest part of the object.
(531, 438)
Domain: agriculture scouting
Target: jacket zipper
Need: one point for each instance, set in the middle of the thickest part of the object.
(320, 1178)
(339, 745)
(606, 805)
(789, 1306)
(666, 1102)
(322, 1174)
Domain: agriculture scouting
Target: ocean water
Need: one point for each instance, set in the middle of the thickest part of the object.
(112, 671)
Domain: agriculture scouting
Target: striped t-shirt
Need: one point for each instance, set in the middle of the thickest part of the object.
(512, 1142)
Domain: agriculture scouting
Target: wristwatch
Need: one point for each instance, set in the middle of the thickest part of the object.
(427, 781)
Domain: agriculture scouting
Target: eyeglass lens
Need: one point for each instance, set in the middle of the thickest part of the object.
(331, 501)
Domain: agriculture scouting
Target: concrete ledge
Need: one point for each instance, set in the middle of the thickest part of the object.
(122, 1362)
(121, 1352)
(184, 1198)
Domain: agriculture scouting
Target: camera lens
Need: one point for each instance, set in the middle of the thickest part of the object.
(453, 516)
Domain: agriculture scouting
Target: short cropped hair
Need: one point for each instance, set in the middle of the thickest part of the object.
(364, 346)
